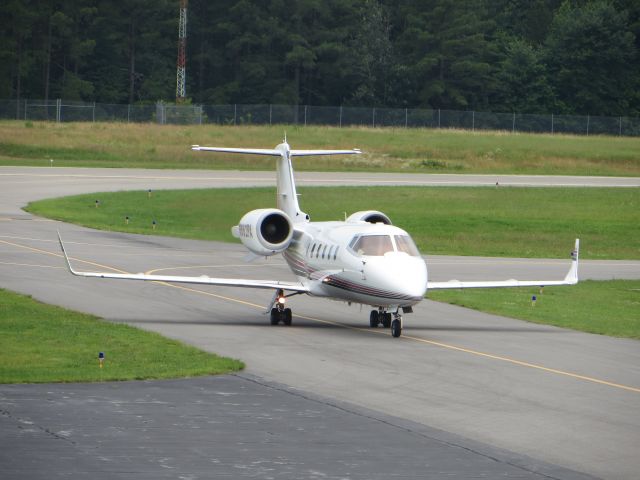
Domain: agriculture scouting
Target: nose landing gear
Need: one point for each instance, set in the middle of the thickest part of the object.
(381, 316)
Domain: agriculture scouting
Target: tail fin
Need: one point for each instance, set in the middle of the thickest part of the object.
(287, 197)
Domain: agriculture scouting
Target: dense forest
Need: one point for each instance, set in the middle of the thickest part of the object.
(534, 56)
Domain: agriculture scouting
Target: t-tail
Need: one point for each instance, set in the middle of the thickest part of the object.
(287, 196)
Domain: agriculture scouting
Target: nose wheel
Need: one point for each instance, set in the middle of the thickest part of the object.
(396, 326)
(388, 320)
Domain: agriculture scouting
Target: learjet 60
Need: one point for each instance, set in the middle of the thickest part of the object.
(364, 259)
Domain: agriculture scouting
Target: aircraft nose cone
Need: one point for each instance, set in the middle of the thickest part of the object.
(406, 275)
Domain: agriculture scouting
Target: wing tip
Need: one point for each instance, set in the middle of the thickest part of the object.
(64, 252)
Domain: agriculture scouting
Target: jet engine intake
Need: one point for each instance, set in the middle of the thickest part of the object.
(371, 216)
(265, 231)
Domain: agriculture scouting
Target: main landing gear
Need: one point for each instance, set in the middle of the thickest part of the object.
(278, 311)
(388, 320)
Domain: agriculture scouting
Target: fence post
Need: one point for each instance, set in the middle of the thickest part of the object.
(94, 112)
(552, 123)
(200, 115)
(406, 117)
(438, 118)
(588, 118)
(26, 101)
(513, 124)
(160, 113)
(305, 115)
(270, 112)
(58, 109)
(235, 112)
(340, 116)
(473, 121)
(620, 129)
(129, 113)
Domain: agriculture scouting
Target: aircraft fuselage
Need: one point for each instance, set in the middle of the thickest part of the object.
(360, 262)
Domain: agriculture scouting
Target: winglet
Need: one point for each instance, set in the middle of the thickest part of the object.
(572, 276)
(64, 252)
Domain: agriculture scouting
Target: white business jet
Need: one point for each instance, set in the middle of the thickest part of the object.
(364, 259)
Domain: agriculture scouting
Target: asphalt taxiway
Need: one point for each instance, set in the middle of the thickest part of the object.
(560, 401)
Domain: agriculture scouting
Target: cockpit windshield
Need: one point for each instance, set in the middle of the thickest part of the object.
(378, 245)
(406, 245)
(372, 245)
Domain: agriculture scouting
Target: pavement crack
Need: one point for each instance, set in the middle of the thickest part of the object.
(21, 422)
(326, 402)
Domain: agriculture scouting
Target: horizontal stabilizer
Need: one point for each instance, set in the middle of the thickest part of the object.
(275, 152)
(249, 151)
(304, 153)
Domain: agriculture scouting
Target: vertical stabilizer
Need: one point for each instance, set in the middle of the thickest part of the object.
(287, 197)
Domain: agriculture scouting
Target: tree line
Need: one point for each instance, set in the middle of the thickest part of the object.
(533, 56)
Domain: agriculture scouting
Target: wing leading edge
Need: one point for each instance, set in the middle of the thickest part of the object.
(202, 280)
(570, 279)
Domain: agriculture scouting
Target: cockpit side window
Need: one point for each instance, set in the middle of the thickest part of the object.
(373, 245)
(405, 244)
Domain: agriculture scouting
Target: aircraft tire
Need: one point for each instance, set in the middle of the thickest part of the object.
(386, 320)
(396, 329)
(374, 319)
(275, 316)
(287, 316)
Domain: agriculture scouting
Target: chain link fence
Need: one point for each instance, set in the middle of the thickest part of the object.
(69, 111)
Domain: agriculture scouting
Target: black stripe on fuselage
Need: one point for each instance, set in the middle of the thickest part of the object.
(349, 286)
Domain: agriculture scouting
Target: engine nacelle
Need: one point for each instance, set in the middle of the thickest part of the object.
(265, 231)
(371, 216)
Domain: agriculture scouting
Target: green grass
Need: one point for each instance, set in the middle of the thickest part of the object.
(389, 149)
(512, 222)
(607, 308)
(41, 343)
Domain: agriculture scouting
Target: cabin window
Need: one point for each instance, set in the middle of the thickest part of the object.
(313, 249)
(373, 245)
(406, 245)
(324, 249)
(318, 251)
(335, 252)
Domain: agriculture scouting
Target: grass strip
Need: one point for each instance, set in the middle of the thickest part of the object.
(602, 307)
(41, 343)
(511, 222)
(386, 149)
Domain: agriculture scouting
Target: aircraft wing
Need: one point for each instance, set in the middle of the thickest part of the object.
(252, 151)
(570, 279)
(302, 153)
(202, 280)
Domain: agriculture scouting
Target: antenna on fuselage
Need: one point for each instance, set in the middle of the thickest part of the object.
(285, 137)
